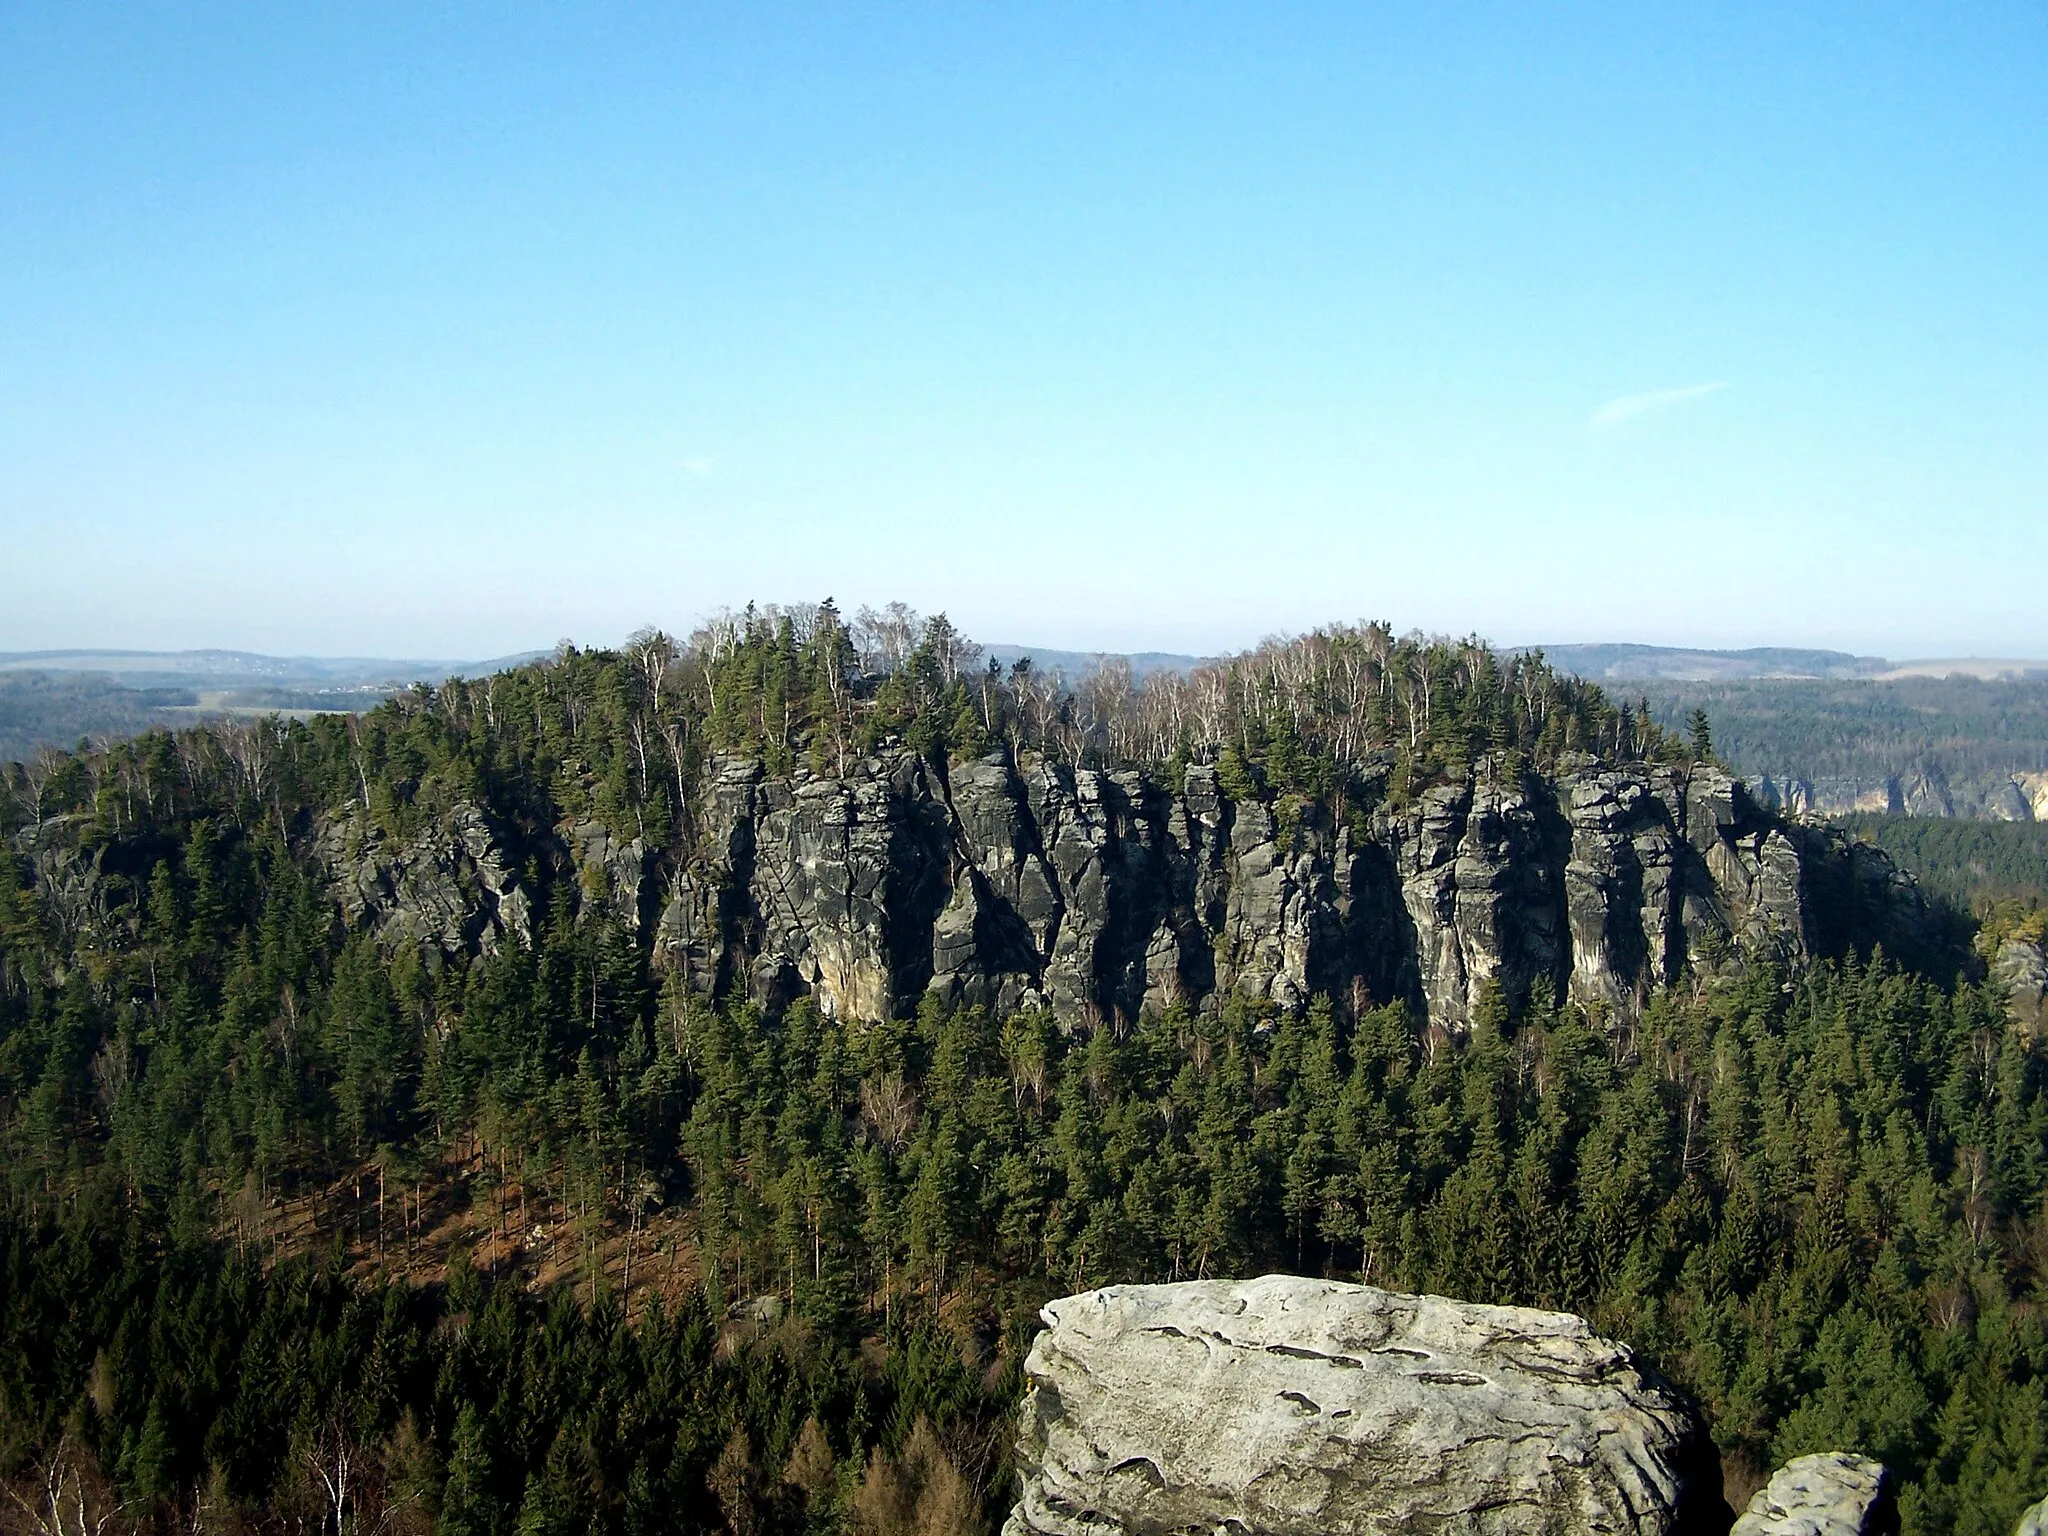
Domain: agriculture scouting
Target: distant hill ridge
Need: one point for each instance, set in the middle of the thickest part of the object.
(239, 666)
(1616, 662)
(1078, 664)
(1679, 664)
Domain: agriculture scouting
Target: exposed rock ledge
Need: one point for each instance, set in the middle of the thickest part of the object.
(1292, 1407)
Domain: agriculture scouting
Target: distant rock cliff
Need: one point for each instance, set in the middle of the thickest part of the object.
(1014, 883)
(1924, 791)
(1020, 882)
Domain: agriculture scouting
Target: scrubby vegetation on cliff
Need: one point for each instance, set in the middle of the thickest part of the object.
(539, 1239)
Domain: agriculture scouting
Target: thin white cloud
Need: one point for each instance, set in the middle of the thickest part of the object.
(1616, 411)
(697, 466)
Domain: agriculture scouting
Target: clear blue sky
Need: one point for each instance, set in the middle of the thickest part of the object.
(453, 329)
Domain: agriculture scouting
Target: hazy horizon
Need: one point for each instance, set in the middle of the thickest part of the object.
(24, 656)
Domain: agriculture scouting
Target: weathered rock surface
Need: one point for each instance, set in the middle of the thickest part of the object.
(1835, 1493)
(1921, 791)
(1915, 792)
(2034, 1522)
(2034, 786)
(1292, 1407)
(1014, 883)
(2020, 971)
(445, 890)
(73, 883)
(611, 871)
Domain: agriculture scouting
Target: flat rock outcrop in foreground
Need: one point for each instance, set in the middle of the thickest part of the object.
(1292, 1407)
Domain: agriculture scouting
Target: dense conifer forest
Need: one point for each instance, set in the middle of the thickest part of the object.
(1972, 863)
(301, 1233)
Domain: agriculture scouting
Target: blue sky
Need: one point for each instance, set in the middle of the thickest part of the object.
(454, 329)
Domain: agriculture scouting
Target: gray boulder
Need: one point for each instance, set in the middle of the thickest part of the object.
(1291, 1407)
(1835, 1493)
(2034, 1522)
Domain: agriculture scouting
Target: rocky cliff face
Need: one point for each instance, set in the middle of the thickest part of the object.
(446, 890)
(1285, 1406)
(1019, 882)
(1014, 882)
(1916, 792)
(1926, 791)
(2020, 973)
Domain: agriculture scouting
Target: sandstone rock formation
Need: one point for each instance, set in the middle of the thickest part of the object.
(2020, 971)
(73, 883)
(1020, 882)
(2034, 786)
(447, 889)
(1292, 1407)
(1923, 791)
(1013, 882)
(1835, 1493)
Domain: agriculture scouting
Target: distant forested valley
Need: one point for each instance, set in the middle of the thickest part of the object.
(1972, 864)
(39, 710)
(1958, 741)
(308, 1231)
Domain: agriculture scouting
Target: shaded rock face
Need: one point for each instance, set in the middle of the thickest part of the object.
(1835, 1493)
(611, 871)
(453, 888)
(447, 890)
(1013, 883)
(2020, 971)
(1292, 1407)
(1916, 792)
(73, 883)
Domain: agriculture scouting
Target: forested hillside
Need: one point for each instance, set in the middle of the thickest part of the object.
(1957, 742)
(305, 1232)
(1972, 863)
(39, 709)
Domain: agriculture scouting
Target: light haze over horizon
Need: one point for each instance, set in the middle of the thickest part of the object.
(391, 331)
